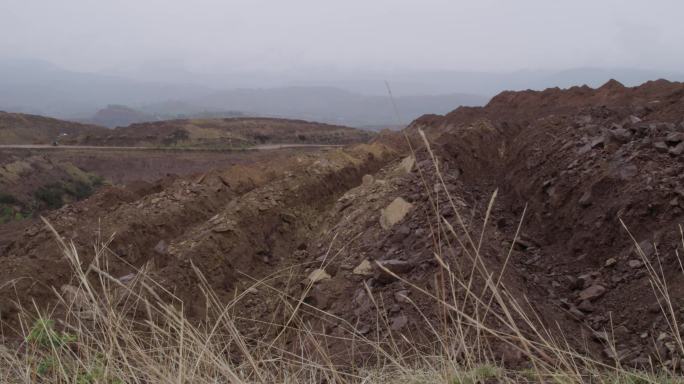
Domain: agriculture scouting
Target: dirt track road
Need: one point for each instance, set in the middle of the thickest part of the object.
(263, 147)
(121, 164)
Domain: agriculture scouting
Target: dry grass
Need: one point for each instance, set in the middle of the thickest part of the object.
(112, 332)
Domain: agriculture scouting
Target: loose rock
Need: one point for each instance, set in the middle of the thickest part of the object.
(399, 322)
(318, 275)
(677, 150)
(660, 146)
(161, 247)
(394, 213)
(585, 200)
(674, 137)
(407, 164)
(592, 293)
(585, 306)
(364, 269)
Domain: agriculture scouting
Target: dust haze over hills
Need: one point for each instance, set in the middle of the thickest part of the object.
(351, 98)
(326, 62)
(42, 88)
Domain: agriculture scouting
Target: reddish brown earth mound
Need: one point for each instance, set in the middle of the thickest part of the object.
(581, 160)
(574, 161)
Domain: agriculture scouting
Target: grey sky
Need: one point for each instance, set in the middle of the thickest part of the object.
(220, 36)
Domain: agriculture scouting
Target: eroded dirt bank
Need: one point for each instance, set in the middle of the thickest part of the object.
(244, 216)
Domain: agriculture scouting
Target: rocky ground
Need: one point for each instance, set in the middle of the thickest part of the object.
(364, 234)
(581, 161)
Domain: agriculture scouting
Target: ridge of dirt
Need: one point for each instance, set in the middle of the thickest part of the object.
(580, 160)
(264, 201)
(576, 162)
(24, 172)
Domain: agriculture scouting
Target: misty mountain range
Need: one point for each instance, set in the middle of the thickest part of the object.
(354, 98)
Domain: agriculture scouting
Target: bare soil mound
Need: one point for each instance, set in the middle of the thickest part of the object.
(581, 162)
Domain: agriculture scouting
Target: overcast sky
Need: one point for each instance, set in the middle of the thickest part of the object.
(218, 36)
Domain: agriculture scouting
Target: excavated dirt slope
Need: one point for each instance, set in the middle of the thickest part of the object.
(582, 160)
(242, 217)
(574, 161)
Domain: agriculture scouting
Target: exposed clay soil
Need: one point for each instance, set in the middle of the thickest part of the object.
(575, 161)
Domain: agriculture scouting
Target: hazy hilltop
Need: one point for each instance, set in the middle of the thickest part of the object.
(17, 128)
(119, 115)
(334, 105)
(114, 115)
(354, 98)
(43, 88)
(39, 87)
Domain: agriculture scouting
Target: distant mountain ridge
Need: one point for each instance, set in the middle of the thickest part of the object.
(41, 88)
(335, 106)
(336, 97)
(114, 115)
(322, 104)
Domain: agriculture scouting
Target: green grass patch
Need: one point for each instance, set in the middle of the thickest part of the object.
(51, 196)
(44, 335)
(54, 195)
(11, 209)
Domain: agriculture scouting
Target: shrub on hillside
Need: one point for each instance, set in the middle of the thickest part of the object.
(51, 195)
(6, 198)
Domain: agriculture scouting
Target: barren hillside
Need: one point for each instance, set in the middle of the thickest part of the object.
(19, 128)
(515, 220)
